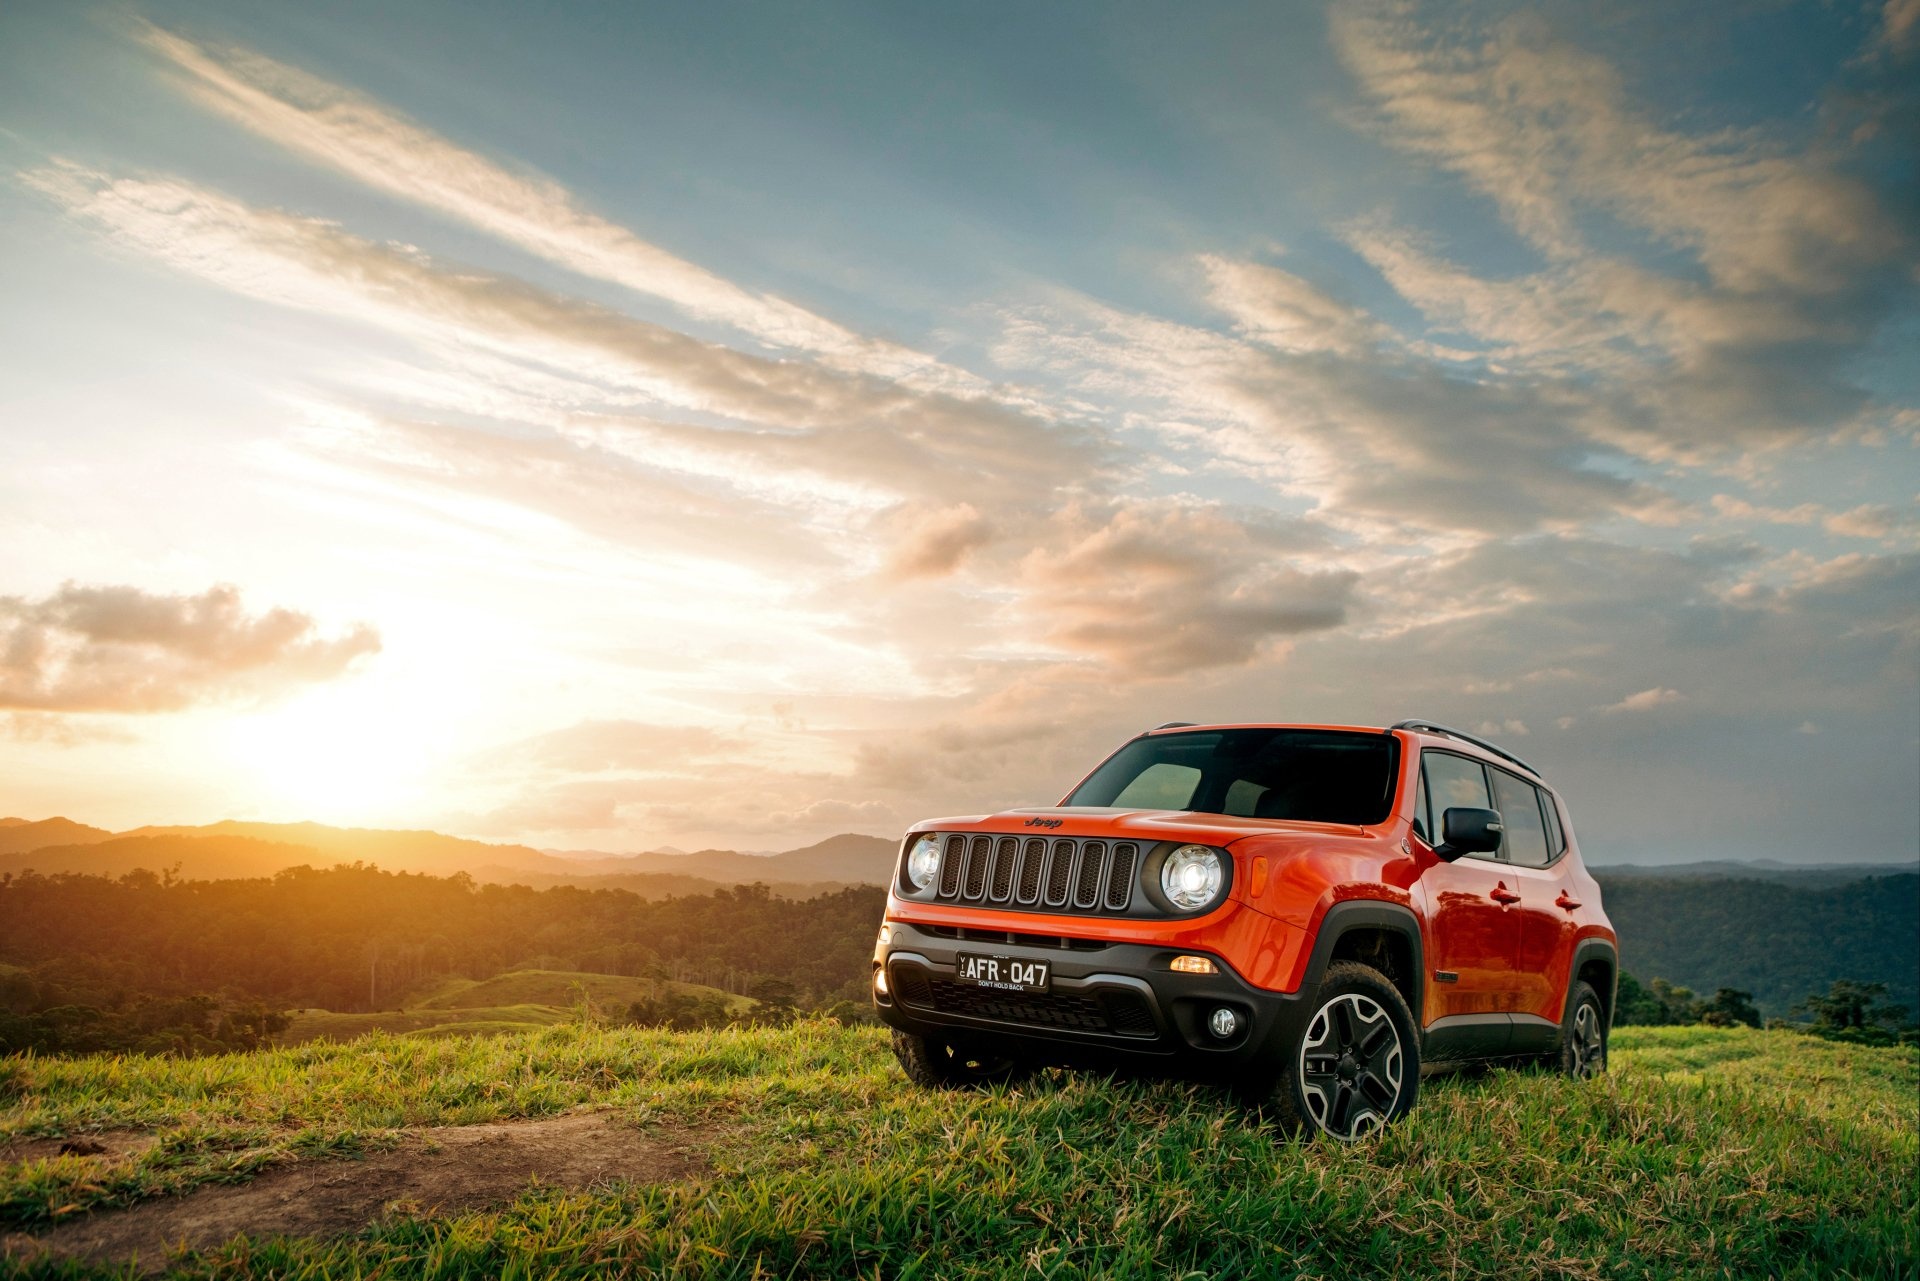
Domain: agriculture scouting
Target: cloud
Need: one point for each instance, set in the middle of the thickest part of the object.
(1794, 260)
(120, 649)
(1645, 700)
(371, 143)
(56, 729)
(1282, 311)
(783, 412)
(1541, 127)
(1387, 446)
(935, 542)
(1899, 26)
(1163, 588)
(1876, 521)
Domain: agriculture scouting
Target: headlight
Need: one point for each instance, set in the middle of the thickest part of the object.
(923, 862)
(1191, 876)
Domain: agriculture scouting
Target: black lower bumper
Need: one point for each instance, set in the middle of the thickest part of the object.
(1104, 1002)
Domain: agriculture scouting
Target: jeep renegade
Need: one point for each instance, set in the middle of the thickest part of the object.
(1316, 913)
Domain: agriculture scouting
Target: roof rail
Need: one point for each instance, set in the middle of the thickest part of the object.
(1432, 727)
(1173, 725)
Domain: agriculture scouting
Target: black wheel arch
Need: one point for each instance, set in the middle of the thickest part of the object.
(1595, 961)
(1370, 922)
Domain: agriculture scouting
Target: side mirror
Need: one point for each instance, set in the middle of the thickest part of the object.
(1468, 831)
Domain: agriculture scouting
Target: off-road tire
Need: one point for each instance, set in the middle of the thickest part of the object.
(1341, 1078)
(1583, 1035)
(943, 1065)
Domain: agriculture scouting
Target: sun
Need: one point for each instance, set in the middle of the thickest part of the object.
(335, 755)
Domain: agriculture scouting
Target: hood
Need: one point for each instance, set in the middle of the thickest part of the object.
(1129, 824)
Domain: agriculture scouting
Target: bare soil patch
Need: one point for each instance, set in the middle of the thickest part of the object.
(113, 1143)
(446, 1169)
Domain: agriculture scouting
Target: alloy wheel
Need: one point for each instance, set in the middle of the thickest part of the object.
(1589, 1046)
(1351, 1063)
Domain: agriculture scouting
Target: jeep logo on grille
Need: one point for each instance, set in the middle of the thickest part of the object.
(1045, 822)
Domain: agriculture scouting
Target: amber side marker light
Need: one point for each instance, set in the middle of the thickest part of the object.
(1193, 965)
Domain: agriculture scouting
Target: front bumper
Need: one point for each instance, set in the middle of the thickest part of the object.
(1104, 1001)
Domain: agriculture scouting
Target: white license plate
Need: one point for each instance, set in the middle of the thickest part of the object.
(1007, 973)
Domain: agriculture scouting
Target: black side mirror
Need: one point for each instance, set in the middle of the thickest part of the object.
(1468, 831)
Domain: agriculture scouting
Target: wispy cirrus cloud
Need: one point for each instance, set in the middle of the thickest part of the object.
(1541, 127)
(375, 145)
(1792, 259)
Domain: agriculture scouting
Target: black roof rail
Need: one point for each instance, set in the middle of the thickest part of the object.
(1432, 727)
(1173, 725)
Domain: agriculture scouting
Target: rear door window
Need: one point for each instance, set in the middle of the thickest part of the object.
(1519, 804)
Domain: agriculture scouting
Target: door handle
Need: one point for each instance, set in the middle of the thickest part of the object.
(1566, 901)
(1501, 894)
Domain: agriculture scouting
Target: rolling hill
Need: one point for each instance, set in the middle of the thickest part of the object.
(517, 1001)
(20, 835)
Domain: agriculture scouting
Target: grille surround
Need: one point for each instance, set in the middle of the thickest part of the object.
(1079, 875)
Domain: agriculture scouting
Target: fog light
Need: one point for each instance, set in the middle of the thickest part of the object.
(1193, 965)
(880, 983)
(1223, 1022)
(886, 935)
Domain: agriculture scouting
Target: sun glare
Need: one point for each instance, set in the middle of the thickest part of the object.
(331, 756)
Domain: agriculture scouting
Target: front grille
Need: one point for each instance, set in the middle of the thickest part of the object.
(1061, 873)
(1118, 1013)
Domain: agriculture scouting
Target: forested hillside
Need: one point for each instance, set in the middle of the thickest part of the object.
(1779, 940)
(355, 938)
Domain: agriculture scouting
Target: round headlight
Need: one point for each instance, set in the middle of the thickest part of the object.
(1192, 875)
(923, 862)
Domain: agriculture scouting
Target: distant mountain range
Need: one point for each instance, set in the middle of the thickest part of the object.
(239, 849)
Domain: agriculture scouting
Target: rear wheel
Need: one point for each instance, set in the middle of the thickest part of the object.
(1356, 1068)
(937, 1064)
(1583, 1034)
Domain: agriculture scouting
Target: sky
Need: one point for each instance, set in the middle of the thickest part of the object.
(620, 426)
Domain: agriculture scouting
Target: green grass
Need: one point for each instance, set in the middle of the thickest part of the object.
(519, 1001)
(1706, 1153)
(558, 987)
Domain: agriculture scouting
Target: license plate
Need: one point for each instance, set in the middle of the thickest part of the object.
(1007, 973)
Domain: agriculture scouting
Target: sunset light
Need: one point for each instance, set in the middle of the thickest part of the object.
(1225, 639)
(604, 442)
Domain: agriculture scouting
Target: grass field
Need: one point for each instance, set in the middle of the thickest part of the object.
(518, 1001)
(1705, 1153)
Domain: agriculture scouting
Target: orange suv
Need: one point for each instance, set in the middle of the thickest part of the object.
(1317, 913)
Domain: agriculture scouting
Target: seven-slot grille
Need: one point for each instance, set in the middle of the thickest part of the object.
(1053, 873)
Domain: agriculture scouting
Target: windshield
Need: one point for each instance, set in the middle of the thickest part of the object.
(1319, 776)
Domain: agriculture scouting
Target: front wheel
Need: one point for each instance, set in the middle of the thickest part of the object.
(1357, 1066)
(943, 1065)
(1583, 1036)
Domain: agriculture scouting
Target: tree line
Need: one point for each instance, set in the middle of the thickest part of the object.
(147, 961)
(1849, 1010)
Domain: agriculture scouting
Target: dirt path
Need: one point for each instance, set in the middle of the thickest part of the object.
(447, 1169)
